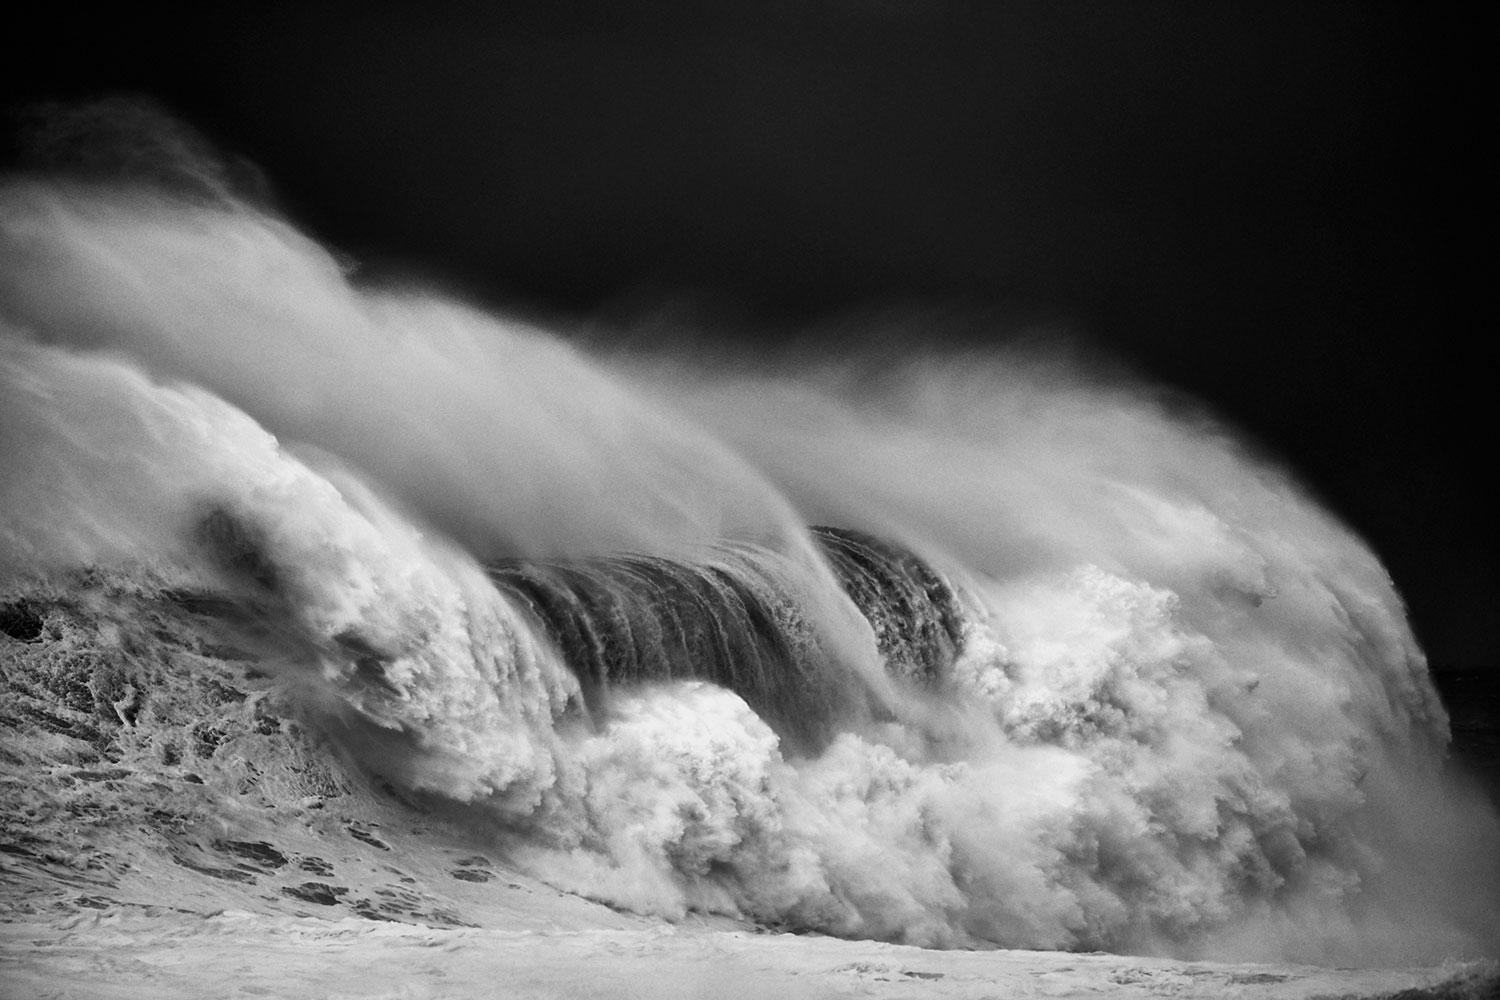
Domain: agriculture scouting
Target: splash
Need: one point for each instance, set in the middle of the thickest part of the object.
(1067, 671)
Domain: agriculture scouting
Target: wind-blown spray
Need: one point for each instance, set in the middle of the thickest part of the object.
(1064, 670)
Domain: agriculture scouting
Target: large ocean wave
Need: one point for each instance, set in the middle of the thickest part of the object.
(1061, 667)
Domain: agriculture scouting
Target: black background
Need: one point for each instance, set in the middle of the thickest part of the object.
(1280, 208)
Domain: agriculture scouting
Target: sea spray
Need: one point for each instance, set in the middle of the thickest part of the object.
(1067, 671)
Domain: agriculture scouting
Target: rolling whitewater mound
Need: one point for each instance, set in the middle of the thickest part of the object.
(366, 619)
(164, 811)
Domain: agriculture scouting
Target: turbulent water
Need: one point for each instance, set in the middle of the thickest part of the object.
(970, 651)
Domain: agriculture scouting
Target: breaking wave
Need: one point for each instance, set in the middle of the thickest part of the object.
(1058, 668)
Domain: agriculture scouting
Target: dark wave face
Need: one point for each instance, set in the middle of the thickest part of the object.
(912, 610)
(630, 620)
(1067, 672)
(627, 621)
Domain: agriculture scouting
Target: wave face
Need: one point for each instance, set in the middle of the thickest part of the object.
(625, 621)
(1067, 671)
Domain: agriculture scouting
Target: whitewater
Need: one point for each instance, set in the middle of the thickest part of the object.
(358, 613)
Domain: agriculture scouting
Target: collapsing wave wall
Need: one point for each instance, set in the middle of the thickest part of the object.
(1105, 680)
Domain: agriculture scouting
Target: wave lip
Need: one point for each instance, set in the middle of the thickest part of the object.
(733, 621)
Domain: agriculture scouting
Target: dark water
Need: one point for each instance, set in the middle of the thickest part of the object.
(1472, 698)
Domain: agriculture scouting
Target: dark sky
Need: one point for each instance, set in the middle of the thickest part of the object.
(1273, 206)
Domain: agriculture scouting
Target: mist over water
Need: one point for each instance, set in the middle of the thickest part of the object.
(1061, 668)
